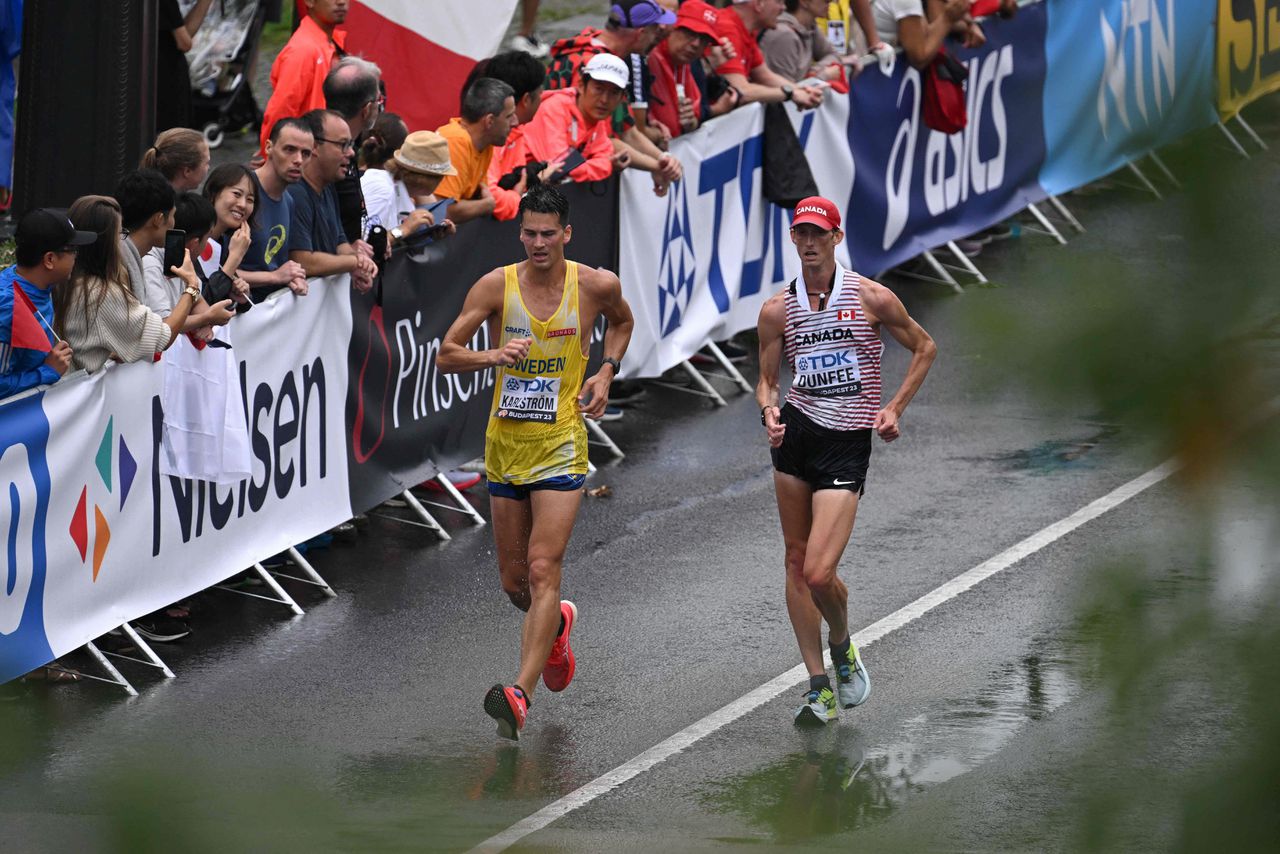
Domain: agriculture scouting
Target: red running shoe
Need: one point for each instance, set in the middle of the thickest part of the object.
(558, 672)
(507, 705)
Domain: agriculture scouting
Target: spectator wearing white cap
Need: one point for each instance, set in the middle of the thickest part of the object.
(573, 122)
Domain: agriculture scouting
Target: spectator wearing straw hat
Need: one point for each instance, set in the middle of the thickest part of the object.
(395, 193)
(30, 354)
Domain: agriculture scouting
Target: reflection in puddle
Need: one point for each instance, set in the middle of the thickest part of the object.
(839, 782)
(1050, 457)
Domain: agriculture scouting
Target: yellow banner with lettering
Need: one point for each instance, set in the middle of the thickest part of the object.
(1248, 52)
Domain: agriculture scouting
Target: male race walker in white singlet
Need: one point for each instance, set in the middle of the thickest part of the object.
(827, 324)
(540, 313)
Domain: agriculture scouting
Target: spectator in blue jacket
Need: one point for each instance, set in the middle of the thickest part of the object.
(46, 249)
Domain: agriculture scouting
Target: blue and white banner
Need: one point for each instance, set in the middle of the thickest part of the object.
(1124, 77)
(95, 535)
(915, 188)
(722, 250)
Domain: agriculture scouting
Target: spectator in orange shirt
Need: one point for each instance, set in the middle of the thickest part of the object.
(488, 115)
(527, 77)
(297, 75)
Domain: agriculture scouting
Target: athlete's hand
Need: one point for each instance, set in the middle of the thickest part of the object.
(774, 428)
(886, 425)
(594, 397)
(514, 352)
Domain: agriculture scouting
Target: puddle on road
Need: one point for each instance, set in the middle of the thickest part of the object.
(1051, 457)
(840, 782)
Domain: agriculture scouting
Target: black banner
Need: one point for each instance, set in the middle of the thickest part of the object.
(406, 420)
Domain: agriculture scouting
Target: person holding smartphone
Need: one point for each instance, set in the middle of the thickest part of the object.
(399, 196)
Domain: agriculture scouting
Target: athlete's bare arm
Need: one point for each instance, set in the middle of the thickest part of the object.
(604, 292)
(882, 306)
(773, 318)
(484, 301)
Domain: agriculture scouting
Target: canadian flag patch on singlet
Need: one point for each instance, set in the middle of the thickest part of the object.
(846, 314)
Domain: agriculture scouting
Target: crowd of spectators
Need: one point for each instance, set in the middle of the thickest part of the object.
(91, 285)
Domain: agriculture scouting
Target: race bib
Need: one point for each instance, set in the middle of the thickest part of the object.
(829, 373)
(529, 399)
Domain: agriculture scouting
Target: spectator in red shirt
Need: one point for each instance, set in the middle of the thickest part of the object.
(675, 99)
(297, 75)
(747, 71)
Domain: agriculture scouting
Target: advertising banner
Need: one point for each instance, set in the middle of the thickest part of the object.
(409, 420)
(1248, 52)
(700, 262)
(1124, 77)
(97, 536)
(915, 188)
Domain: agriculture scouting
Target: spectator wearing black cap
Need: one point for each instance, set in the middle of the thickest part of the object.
(30, 353)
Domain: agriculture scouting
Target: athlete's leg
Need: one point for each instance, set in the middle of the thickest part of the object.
(834, 511)
(512, 523)
(554, 513)
(794, 509)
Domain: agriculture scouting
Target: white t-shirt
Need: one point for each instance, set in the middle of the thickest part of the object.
(163, 291)
(887, 14)
(386, 200)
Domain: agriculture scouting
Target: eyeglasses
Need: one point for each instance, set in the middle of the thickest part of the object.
(344, 144)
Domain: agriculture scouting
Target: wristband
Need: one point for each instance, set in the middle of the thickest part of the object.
(609, 360)
(762, 411)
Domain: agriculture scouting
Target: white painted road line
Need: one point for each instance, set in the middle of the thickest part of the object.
(774, 687)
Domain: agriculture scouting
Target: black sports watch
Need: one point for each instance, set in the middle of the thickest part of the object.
(787, 92)
(762, 411)
(609, 360)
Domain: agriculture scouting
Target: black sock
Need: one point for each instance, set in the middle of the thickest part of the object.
(840, 651)
(561, 632)
(817, 683)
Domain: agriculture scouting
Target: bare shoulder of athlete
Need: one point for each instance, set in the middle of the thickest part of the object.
(598, 281)
(878, 302)
(489, 288)
(773, 314)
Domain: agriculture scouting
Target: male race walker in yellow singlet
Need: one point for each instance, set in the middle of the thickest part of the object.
(827, 323)
(541, 313)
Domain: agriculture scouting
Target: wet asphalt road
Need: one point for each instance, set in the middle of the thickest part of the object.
(359, 725)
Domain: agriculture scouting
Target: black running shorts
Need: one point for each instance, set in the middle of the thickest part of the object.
(821, 457)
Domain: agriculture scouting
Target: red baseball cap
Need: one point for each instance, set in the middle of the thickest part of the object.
(698, 17)
(818, 211)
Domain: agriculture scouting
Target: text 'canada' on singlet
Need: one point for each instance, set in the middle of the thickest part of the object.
(535, 430)
(834, 356)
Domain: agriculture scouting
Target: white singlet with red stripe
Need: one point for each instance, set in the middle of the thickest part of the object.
(834, 356)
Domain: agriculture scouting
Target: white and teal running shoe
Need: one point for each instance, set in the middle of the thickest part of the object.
(819, 707)
(852, 680)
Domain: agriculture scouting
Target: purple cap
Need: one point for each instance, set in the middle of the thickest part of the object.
(634, 14)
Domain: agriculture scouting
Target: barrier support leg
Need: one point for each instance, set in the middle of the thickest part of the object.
(421, 512)
(312, 578)
(1066, 213)
(1047, 225)
(282, 597)
(704, 388)
(153, 660)
(464, 506)
(1249, 130)
(943, 273)
(1155, 158)
(603, 438)
(731, 371)
(1146, 182)
(116, 677)
(1235, 143)
(967, 263)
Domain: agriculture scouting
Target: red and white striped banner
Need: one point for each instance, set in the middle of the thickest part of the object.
(426, 49)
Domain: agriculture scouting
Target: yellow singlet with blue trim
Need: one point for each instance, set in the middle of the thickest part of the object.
(535, 430)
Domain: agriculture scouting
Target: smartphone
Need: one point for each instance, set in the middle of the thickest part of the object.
(573, 159)
(175, 247)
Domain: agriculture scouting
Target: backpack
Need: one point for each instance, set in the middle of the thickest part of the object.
(944, 107)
